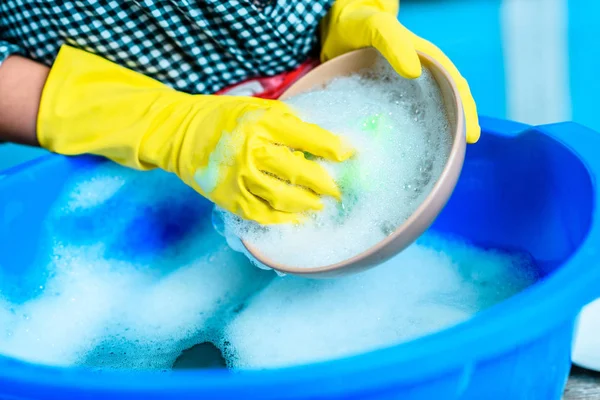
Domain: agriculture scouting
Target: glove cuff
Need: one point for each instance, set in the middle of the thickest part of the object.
(91, 105)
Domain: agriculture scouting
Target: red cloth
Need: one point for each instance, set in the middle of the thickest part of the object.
(270, 87)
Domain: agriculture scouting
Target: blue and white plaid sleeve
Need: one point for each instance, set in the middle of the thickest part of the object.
(191, 46)
(8, 49)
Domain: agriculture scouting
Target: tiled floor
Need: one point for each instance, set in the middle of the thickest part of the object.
(583, 385)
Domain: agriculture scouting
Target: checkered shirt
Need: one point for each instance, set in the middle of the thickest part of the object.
(196, 46)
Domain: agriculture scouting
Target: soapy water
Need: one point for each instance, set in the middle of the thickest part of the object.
(134, 277)
(136, 274)
(433, 284)
(402, 138)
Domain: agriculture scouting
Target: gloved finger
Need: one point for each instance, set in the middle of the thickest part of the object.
(260, 211)
(394, 42)
(281, 196)
(291, 131)
(470, 109)
(293, 167)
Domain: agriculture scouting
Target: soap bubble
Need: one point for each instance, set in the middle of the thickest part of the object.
(402, 148)
(434, 284)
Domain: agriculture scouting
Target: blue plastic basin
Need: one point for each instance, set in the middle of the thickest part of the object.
(522, 188)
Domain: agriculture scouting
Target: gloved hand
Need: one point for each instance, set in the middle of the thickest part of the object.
(355, 24)
(244, 154)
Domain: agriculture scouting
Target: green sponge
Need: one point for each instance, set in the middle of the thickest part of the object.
(378, 126)
(353, 179)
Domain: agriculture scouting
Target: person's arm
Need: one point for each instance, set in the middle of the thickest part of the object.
(244, 154)
(21, 84)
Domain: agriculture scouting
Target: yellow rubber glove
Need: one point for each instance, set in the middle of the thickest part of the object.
(355, 24)
(244, 154)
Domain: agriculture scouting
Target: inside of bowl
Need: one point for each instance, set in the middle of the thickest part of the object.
(357, 62)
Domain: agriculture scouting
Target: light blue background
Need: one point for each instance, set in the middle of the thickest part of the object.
(547, 63)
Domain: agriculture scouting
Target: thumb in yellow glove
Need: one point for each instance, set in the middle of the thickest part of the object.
(244, 154)
(355, 24)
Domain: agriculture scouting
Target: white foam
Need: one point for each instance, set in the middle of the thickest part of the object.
(430, 286)
(100, 311)
(138, 309)
(86, 194)
(400, 131)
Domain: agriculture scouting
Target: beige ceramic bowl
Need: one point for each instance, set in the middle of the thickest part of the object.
(426, 213)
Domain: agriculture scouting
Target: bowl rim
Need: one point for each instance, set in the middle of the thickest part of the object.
(455, 160)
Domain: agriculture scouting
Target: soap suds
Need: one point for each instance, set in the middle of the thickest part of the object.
(402, 139)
